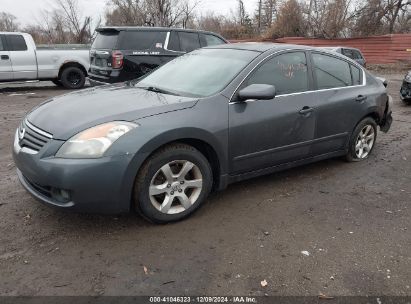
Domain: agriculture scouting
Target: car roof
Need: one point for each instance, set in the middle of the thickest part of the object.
(151, 28)
(262, 46)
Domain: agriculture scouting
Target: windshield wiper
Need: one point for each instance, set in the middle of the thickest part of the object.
(158, 90)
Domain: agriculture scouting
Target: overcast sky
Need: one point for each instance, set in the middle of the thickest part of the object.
(27, 11)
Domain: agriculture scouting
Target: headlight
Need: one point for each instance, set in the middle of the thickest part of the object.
(93, 142)
(408, 77)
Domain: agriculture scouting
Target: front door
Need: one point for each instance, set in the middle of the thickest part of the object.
(265, 133)
(22, 58)
(6, 70)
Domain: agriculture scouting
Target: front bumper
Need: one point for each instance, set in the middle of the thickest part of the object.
(101, 185)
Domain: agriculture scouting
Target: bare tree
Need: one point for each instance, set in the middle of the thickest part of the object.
(378, 17)
(150, 12)
(8, 22)
(289, 21)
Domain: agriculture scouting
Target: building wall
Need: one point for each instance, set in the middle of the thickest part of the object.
(378, 49)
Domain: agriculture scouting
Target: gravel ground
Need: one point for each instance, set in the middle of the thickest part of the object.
(354, 221)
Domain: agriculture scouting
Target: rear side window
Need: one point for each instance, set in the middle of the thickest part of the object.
(357, 54)
(212, 40)
(348, 53)
(16, 43)
(287, 72)
(331, 72)
(106, 40)
(141, 40)
(356, 75)
(189, 41)
(174, 42)
(2, 48)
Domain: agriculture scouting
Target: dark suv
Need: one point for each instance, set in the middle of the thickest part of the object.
(125, 53)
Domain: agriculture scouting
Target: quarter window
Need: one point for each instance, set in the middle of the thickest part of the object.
(189, 41)
(356, 75)
(331, 72)
(213, 40)
(16, 43)
(287, 72)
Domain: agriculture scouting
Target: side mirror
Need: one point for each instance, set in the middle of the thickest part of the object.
(257, 91)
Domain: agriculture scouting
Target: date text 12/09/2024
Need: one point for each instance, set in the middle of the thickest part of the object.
(203, 299)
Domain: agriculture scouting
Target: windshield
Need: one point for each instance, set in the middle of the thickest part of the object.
(105, 40)
(200, 73)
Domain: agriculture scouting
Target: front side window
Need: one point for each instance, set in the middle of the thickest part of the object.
(200, 73)
(331, 72)
(287, 72)
(16, 43)
(189, 41)
(141, 40)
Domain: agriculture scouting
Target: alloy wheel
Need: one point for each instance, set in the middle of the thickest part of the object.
(365, 142)
(175, 187)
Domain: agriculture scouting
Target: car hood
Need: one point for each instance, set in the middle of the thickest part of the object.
(69, 114)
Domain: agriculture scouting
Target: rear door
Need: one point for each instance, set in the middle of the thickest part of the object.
(6, 71)
(23, 58)
(340, 101)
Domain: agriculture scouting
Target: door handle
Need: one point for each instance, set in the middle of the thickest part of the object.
(306, 110)
(361, 98)
(5, 57)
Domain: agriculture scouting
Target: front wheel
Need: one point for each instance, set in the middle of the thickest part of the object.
(362, 140)
(172, 184)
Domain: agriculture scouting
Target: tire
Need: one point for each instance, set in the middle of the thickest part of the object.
(73, 78)
(160, 199)
(362, 141)
(57, 82)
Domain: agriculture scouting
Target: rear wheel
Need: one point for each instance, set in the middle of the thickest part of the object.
(73, 78)
(172, 184)
(363, 140)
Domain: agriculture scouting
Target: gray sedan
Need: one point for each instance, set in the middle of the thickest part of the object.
(161, 144)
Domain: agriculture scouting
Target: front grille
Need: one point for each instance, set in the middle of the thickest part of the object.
(32, 137)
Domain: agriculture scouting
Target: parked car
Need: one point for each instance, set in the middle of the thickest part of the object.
(160, 144)
(354, 54)
(20, 60)
(405, 91)
(125, 53)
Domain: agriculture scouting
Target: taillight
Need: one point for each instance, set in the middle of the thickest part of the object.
(117, 60)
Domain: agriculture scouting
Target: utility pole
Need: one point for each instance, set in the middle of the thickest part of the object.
(259, 16)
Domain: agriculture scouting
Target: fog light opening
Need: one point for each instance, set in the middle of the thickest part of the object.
(61, 195)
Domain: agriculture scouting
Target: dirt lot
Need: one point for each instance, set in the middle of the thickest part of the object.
(353, 219)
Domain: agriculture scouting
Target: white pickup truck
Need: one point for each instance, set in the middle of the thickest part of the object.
(20, 60)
